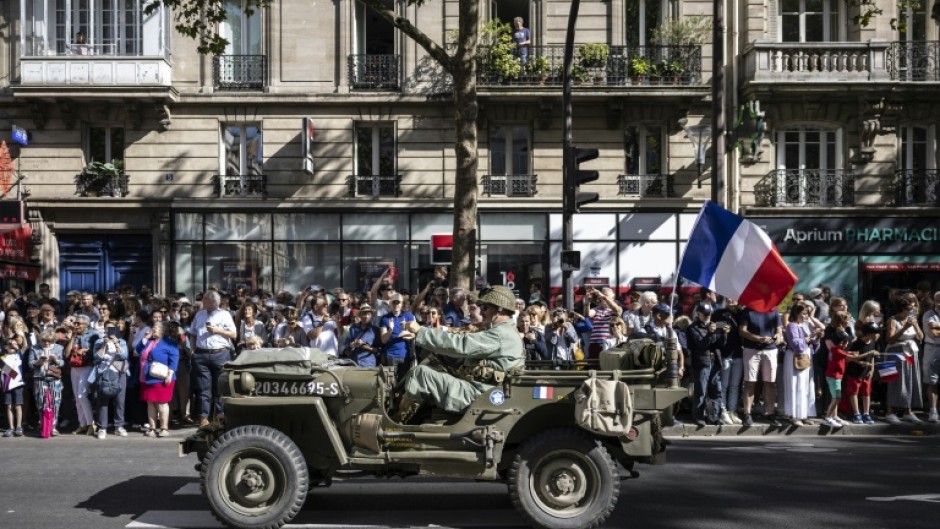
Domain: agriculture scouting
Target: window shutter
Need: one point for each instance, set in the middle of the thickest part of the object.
(773, 20)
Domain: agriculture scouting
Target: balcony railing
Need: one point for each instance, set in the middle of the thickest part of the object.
(654, 185)
(515, 185)
(374, 185)
(816, 61)
(111, 186)
(239, 72)
(915, 188)
(253, 186)
(374, 72)
(806, 188)
(624, 66)
(914, 61)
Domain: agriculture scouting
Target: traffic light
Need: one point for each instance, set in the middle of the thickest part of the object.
(574, 177)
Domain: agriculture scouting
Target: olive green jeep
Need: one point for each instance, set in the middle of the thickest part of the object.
(562, 440)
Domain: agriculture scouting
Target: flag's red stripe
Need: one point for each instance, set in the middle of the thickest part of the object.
(770, 284)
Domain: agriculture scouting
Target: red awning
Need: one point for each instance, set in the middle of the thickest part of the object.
(901, 267)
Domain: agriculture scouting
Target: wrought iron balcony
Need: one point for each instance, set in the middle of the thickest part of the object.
(239, 72)
(914, 61)
(374, 72)
(374, 186)
(806, 188)
(623, 66)
(102, 186)
(253, 186)
(514, 185)
(914, 188)
(654, 185)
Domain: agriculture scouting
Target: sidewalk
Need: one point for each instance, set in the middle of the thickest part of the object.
(880, 428)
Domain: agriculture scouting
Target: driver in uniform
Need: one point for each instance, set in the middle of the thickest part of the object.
(487, 356)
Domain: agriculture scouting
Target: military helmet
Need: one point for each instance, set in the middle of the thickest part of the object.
(499, 296)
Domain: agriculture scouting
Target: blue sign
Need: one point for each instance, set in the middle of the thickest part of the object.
(20, 135)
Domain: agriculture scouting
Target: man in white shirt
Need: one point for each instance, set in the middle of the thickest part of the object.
(212, 332)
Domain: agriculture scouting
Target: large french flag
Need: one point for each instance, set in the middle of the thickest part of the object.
(736, 259)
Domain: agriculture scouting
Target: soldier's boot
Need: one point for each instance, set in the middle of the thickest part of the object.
(407, 408)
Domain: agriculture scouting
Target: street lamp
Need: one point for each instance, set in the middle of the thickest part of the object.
(700, 136)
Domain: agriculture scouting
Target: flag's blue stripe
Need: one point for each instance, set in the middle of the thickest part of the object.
(707, 242)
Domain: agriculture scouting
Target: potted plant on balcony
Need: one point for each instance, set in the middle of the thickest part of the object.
(671, 70)
(639, 69)
(540, 69)
(502, 65)
(593, 57)
(98, 178)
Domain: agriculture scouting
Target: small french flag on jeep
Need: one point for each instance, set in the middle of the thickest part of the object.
(543, 392)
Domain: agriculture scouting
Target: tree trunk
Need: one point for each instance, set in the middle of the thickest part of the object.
(466, 110)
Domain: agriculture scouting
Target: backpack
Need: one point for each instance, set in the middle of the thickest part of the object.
(108, 382)
(604, 407)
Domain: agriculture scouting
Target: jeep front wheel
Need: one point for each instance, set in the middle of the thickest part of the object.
(254, 478)
(564, 479)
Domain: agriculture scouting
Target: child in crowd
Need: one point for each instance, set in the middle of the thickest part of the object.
(12, 379)
(254, 343)
(859, 371)
(835, 369)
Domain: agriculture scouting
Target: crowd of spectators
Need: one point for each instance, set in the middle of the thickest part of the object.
(131, 360)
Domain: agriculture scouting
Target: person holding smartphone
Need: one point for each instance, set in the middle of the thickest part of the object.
(46, 359)
(111, 354)
(212, 332)
(903, 335)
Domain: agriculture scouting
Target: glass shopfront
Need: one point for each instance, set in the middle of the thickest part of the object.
(291, 251)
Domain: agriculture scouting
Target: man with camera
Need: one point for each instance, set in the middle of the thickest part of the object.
(561, 339)
(705, 338)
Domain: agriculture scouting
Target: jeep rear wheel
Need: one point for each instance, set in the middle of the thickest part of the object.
(564, 479)
(254, 478)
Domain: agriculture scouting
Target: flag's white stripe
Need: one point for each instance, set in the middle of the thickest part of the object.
(744, 254)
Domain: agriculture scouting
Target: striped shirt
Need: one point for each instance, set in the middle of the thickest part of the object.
(601, 323)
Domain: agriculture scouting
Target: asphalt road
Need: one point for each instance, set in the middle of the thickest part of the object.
(850, 482)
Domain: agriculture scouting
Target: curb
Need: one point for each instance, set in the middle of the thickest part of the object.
(737, 430)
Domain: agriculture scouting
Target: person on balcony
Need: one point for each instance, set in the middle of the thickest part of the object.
(522, 38)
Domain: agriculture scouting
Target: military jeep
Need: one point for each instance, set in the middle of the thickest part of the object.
(294, 419)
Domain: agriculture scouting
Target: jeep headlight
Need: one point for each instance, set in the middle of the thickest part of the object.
(247, 382)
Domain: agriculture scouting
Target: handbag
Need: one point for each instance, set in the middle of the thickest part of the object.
(158, 370)
(802, 361)
(54, 372)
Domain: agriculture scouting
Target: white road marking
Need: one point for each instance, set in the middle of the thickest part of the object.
(335, 520)
(928, 498)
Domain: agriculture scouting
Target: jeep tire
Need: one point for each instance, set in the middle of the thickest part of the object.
(564, 479)
(254, 478)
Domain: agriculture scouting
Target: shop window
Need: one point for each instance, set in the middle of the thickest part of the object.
(105, 144)
(306, 227)
(810, 20)
(230, 265)
(297, 265)
(513, 265)
(237, 226)
(363, 263)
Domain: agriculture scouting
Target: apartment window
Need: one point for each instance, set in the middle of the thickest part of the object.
(809, 160)
(241, 150)
(643, 150)
(915, 20)
(643, 17)
(105, 144)
(98, 27)
(918, 178)
(375, 149)
(510, 150)
(810, 20)
(242, 31)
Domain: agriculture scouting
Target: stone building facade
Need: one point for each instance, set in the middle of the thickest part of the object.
(216, 188)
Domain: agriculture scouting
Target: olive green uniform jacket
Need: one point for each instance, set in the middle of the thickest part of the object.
(500, 347)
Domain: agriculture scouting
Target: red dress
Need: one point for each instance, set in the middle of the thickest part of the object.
(160, 392)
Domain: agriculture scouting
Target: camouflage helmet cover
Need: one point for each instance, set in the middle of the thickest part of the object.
(499, 296)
